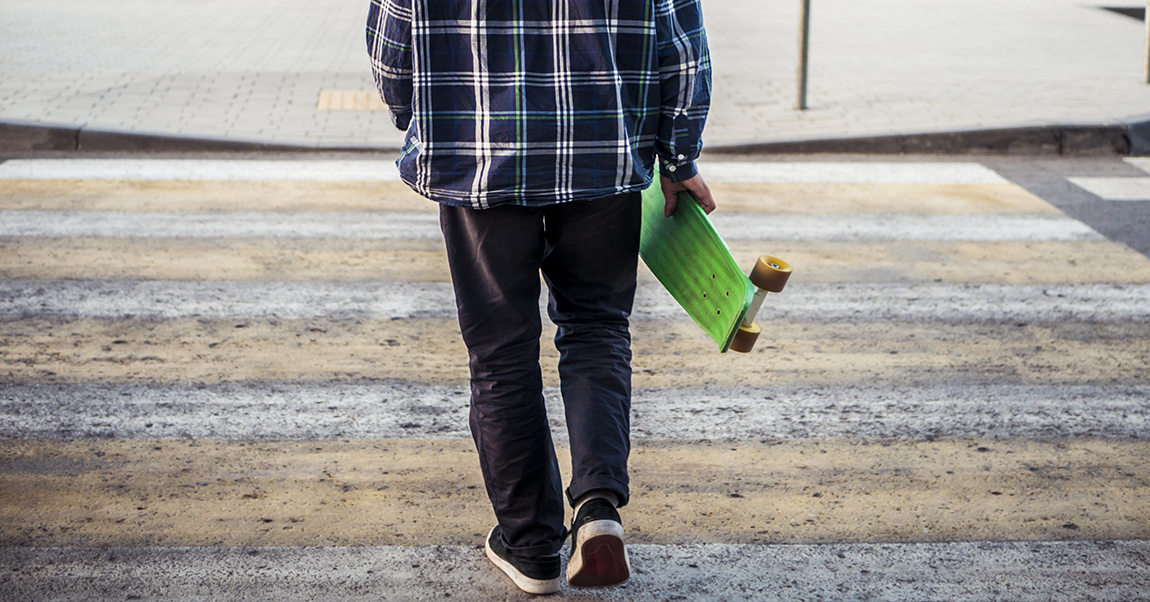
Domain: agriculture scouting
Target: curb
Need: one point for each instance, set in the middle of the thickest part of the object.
(1122, 139)
(22, 137)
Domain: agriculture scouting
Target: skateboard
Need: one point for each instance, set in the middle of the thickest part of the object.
(693, 263)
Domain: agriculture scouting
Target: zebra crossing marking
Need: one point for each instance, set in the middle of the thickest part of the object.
(410, 409)
(1015, 386)
(1022, 571)
(385, 171)
(1115, 189)
(421, 225)
(1118, 188)
(375, 300)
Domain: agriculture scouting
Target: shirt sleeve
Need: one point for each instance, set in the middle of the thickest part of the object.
(389, 46)
(684, 84)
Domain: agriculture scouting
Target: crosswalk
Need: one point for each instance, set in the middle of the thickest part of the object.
(1118, 188)
(243, 378)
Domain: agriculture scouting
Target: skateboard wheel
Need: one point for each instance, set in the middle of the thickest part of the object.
(770, 273)
(745, 338)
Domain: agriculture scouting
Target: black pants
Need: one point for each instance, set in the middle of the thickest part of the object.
(588, 254)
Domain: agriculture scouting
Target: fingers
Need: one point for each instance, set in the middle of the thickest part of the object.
(696, 186)
(702, 192)
(670, 196)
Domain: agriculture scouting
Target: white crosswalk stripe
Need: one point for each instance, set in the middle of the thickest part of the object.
(396, 225)
(1115, 189)
(199, 170)
(290, 411)
(1021, 571)
(385, 171)
(385, 300)
(1118, 188)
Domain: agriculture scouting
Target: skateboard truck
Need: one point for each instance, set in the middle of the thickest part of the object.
(769, 275)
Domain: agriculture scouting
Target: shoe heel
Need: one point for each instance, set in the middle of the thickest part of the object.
(600, 558)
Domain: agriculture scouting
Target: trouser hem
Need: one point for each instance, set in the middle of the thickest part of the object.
(543, 549)
(617, 486)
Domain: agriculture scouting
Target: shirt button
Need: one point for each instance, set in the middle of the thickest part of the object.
(670, 168)
(681, 157)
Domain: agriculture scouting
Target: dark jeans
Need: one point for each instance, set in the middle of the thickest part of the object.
(588, 254)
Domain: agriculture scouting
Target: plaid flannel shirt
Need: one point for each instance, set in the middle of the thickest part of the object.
(534, 102)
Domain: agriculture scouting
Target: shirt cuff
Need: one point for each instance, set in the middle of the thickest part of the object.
(677, 172)
(401, 118)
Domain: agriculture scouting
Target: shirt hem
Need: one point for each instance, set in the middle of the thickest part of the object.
(540, 199)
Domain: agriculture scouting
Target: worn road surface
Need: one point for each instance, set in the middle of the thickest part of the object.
(230, 379)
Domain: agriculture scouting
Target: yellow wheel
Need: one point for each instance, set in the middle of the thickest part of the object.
(745, 338)
(770, 273)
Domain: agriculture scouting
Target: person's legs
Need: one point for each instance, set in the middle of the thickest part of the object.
(588, 252)
(494, 256)
(590, 264)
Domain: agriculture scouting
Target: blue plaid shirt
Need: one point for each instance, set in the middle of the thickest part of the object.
(534, 102)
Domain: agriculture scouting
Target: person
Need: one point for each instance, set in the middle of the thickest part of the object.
(535, 126)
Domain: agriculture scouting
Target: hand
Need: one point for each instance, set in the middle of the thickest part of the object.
(695, 186)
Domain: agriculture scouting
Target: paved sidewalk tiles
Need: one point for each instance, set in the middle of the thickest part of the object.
(256, 70)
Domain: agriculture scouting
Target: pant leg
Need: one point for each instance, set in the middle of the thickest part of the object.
(590, 264)
(494, 256)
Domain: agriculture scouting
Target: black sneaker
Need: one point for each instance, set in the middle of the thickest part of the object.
(597, 554)
(534, 575)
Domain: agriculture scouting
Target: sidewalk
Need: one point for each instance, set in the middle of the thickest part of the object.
(252, 70)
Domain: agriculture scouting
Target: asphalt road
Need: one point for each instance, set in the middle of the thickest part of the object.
(1127, 222)
(241, 378)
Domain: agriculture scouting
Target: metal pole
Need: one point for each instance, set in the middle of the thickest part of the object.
(1146, 47)
(804, 46)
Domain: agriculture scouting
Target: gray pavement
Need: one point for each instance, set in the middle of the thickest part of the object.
(253, 70)
(278, 411)
(1123, 221)
(1018, 571)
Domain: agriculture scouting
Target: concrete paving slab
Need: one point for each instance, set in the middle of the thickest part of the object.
(253, 72)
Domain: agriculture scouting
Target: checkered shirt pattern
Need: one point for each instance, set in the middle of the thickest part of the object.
(534, 102)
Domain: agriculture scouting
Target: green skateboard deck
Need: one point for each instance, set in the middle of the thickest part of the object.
(693, 263)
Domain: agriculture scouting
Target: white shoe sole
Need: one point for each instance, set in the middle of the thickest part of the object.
(600, 559)
(525, 583)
